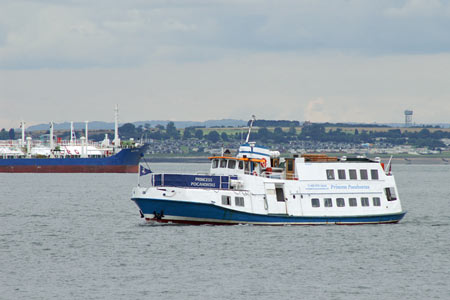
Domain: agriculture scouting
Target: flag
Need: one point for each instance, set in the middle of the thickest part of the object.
(144, 171)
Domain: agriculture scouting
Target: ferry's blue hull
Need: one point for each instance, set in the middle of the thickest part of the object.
(125, 161)
(198, 213)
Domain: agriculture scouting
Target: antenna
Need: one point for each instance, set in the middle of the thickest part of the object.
(116, 127)
(250, 128)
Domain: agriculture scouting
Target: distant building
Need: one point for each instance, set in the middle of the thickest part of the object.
(408, 118)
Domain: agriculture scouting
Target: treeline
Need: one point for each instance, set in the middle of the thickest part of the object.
(422, 138)
(7, 135)
(275, 123)
(311, 132)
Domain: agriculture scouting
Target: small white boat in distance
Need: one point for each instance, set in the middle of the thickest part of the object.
(259, 187)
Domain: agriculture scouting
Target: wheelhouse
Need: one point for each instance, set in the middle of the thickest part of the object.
(224, 165)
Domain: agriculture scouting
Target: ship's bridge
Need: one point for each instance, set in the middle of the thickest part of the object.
(227, 165)
(253, 151)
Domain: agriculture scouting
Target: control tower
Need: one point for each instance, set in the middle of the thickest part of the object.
(408, 118)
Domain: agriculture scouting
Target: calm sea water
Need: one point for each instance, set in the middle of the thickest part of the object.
(78, 236)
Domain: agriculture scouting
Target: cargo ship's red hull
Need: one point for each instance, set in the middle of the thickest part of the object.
(69, 169)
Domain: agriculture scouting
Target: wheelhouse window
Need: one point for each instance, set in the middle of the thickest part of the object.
(215, 163)
(352, 202)
(241, 165)
(239, 201)
(231, 164)
(226, 200)
(374, 174)
(363, 174)
(364, 201)
(340, 202)
(376, 201)
(223, 163)
(341, 174)
(352, 174)
(390, 193)
(328, 202)
(315, 202)
(290, 165)
(330, 174)
(247, 167)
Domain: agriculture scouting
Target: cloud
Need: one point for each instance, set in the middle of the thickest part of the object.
(80, 34)
(316, 111)
(419, 8)
(332, 87)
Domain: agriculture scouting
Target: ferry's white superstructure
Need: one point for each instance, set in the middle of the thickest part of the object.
(257, 186)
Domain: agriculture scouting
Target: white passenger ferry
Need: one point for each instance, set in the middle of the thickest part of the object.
(257, 186)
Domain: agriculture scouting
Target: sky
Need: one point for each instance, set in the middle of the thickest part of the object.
(314, 60)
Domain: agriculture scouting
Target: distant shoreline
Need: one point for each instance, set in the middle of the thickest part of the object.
(395, 160)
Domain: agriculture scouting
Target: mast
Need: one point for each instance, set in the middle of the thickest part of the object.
(71, 132)
(51, 136)
(86, 132)
(22, 125)
(250, 128)
(116, 127)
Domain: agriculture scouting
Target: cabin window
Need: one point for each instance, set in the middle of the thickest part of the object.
(363, 174)
(280, 194)
(247, 167)
(376, 201)
(241, 165)
(341, 174)
(215, 163)
(352, 174)
(352, 202)
(340, 202)
(239, 201)
(330, 174)
(223, 163)
(328, 202)
(315, 202)
(226, 200)
(374, 174)
(364, 201)
(290, 165)
(390, 194)
(231, 164)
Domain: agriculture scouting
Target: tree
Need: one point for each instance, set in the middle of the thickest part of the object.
(213, 136)
(3, 134)
(224, 136)
(172, 131)
(292, 131)
(12, 134)
(187, 134)
(128, 130)
(199, 134)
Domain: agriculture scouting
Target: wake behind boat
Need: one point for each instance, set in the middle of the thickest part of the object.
(257, 186)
